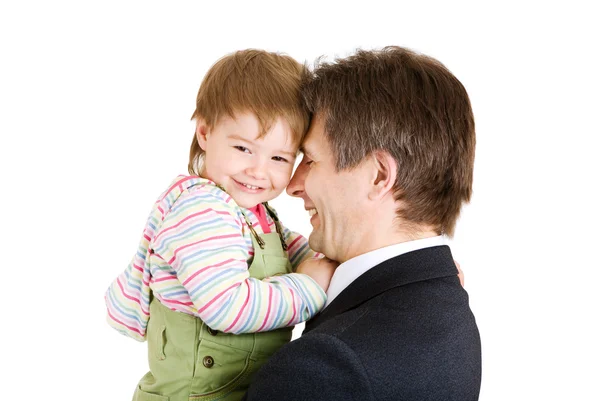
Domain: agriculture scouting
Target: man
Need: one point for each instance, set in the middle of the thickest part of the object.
(388, 163)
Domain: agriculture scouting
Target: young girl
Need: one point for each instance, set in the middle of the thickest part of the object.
(211, 285)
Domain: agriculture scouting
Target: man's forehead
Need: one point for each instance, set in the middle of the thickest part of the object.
(314, 137)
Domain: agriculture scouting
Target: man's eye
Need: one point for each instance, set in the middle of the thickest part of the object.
(242, 149)
(279, 159)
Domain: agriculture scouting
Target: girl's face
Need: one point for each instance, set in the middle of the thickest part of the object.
(252, 170)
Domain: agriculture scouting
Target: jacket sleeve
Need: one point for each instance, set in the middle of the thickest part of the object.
(314, 367)
(202, 239)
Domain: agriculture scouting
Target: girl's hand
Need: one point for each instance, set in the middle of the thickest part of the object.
(321, 270)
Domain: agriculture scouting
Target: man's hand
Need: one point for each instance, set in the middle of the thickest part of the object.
(321, 270)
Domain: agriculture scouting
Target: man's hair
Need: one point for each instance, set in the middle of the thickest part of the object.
(411, 106)
(263, 83)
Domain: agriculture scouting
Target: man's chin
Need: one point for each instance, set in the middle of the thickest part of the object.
(314, 242)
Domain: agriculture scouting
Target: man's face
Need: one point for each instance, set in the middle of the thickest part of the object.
(333, 199)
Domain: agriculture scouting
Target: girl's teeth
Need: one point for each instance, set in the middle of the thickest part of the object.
(249, 186)
(312, 212)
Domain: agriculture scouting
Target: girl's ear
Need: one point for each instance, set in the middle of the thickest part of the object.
(202, 133)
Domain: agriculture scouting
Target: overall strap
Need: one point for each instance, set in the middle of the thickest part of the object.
(277, 224)
(278, 227)
(259, 240)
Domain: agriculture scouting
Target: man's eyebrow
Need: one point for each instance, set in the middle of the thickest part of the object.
(305, 151)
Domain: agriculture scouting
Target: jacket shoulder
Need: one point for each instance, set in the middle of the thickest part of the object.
(290, 374)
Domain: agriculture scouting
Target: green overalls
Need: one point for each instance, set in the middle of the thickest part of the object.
(190, 361)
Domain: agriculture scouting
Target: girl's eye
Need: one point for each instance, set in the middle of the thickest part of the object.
(279, 159)
(242, 149)
(309, 163)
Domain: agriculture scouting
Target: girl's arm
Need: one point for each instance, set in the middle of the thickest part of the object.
(201, 238)
(298, 249)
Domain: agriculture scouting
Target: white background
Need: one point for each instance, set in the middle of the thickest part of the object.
(95, 102)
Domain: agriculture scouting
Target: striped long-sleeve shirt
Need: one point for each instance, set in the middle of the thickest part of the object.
(194, 256)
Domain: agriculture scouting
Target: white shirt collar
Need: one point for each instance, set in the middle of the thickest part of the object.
(351, 269)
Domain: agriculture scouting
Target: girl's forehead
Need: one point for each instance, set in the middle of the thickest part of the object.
(246, 127)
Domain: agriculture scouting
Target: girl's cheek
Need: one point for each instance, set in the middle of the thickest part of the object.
(283, 178)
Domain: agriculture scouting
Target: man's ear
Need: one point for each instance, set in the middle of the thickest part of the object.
(202, 133)
(383, 174)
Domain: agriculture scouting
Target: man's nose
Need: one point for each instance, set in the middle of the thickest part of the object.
(296, 185)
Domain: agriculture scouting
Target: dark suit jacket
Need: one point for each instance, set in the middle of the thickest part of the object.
(401, 331)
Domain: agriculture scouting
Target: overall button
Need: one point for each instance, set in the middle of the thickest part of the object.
(213, 332)
(208, 361)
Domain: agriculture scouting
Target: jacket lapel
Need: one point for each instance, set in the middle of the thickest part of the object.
(411, 267)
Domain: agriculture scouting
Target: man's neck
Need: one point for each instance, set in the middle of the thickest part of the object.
(383, 228)
(377, 239)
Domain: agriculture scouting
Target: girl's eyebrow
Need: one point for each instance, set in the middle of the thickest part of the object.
(288, 152)
(239, 138)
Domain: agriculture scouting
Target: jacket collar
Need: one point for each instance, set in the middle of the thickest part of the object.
(411, 267)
